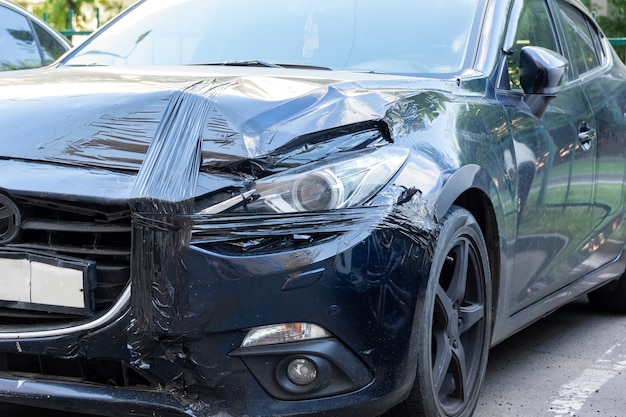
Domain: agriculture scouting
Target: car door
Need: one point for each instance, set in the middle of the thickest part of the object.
(554, 170)
(606, 92)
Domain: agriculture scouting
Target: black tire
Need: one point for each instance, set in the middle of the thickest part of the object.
(611, 297)
(454, 343)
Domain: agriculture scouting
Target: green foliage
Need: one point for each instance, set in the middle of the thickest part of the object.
(613, 25)
(57, 12)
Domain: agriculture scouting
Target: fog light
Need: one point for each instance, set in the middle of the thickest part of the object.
(301, 371)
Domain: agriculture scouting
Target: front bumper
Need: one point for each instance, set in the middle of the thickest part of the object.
(180, 334)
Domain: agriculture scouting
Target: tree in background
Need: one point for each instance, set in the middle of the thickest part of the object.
(613, 25)
(57, 12)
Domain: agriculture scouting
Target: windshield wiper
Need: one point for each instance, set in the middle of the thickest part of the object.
(254, 63)
(258, 63)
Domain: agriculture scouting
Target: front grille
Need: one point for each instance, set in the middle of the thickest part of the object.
(87, 231)
(102, 372)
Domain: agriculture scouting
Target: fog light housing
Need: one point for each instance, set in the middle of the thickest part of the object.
(305, 370)
(302, 371)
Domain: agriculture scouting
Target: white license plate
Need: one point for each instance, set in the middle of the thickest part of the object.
(45, 284)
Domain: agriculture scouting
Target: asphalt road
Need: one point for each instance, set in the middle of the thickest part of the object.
(570, 364)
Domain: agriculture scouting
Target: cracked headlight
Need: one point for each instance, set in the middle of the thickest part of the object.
(343, 182)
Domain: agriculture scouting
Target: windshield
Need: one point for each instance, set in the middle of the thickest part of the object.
(398, 36)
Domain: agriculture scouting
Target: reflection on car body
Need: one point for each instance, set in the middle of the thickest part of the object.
(25, 40)
(311, 208)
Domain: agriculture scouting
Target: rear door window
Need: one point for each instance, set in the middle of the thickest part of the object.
(51, 48)
(18, 45)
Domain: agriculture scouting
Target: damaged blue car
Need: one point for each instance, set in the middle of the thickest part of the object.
(279, 208)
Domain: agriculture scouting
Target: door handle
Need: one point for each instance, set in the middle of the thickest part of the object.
(586, 135)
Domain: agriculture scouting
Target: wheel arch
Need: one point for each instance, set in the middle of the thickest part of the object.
(466, 188)
(477, 203)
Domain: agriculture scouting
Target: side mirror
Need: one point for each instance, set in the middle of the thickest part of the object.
(542, 73)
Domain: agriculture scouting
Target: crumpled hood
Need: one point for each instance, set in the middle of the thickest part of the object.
(108, 119)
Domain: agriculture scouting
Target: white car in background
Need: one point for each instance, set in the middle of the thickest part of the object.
(26, 41)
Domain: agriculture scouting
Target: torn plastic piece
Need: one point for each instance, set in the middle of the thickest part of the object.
(228, 204)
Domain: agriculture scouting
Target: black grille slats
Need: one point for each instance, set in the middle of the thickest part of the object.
(81, 239)
(87, 231)
(101, 372)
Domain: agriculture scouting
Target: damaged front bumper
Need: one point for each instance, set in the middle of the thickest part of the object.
(173, 345)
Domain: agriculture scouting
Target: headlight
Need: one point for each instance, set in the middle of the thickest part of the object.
(343, 182)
